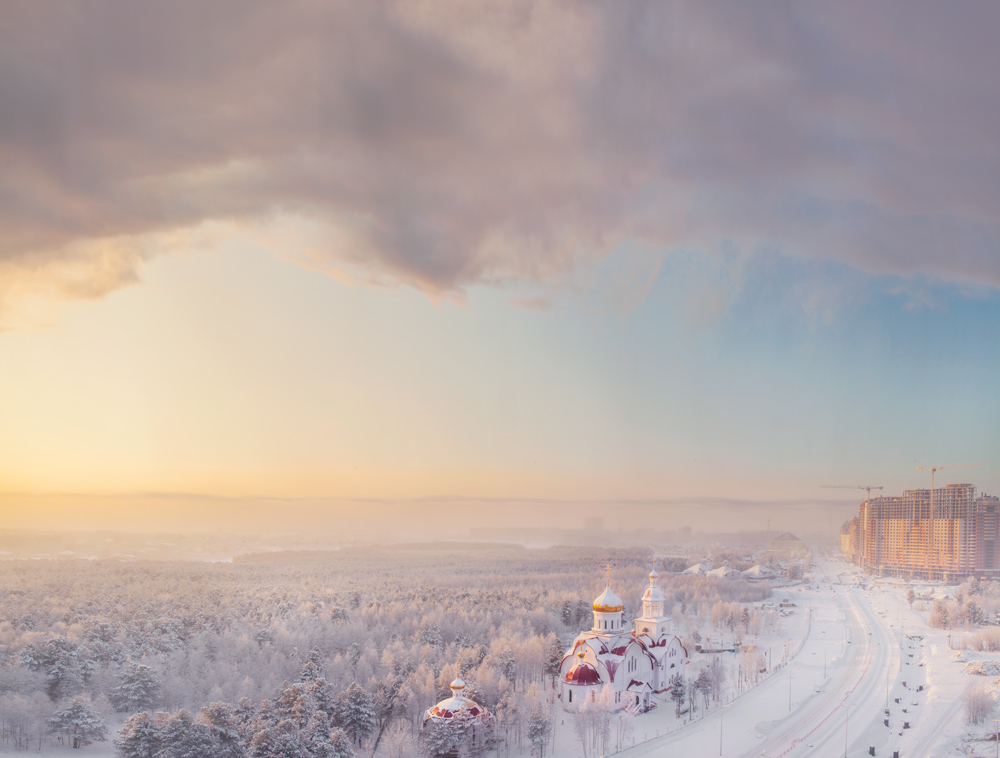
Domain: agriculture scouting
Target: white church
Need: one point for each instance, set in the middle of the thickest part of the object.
(637, 663)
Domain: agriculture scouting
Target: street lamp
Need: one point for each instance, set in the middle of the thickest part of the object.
(721, 714)
(887, 665)
(997, 722)
(847, 723)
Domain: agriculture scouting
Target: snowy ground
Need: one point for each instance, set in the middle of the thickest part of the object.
(872, 643)
(845, 708)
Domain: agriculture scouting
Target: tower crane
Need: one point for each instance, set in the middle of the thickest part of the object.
(868, 489)
(930, 523)
(865, 487)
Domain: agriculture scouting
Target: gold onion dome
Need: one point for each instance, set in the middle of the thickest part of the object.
(608, 602)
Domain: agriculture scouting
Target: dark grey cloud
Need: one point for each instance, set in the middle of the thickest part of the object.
(450, 144)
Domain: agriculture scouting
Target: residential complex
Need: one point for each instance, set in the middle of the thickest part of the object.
(952, 534)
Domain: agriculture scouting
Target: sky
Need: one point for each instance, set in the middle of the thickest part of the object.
(516, 261)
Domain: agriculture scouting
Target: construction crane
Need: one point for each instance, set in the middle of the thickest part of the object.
(864, 532)
(930, 524)
(868, 489)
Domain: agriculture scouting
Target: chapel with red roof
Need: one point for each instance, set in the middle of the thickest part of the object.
(631, 664)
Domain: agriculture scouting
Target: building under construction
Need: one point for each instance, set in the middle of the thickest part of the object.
(952, 535)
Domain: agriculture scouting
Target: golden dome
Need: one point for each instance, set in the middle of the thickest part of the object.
(608, 602)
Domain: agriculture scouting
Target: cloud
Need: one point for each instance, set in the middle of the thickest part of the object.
(444, 144)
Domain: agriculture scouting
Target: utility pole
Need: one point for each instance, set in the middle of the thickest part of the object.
(721, 714)
(887, 675)
(846, 724)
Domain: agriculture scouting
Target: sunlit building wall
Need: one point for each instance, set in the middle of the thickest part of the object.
(905, 536)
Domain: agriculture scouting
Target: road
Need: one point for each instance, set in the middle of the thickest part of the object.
(761, 721)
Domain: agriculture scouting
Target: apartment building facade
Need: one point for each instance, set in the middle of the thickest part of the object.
(946, 534)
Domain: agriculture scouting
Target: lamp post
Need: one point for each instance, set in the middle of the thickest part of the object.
(847, 723)
(997, 722)
(789, 690)
(721, 714)
(887, 665)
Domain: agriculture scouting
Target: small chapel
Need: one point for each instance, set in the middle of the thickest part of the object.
(636, 661)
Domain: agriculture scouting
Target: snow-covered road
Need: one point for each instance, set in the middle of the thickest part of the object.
(803, 714)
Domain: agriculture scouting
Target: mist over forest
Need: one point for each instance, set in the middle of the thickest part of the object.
(229, 645)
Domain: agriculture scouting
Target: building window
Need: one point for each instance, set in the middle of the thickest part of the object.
(571, 696)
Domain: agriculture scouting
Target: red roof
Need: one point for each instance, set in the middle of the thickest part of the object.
(582, 673)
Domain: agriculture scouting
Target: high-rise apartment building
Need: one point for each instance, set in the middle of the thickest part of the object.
(939, 535)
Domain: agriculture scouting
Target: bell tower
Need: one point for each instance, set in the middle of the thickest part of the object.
(653, 621)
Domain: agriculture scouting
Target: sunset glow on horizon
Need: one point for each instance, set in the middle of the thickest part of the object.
(550, 253)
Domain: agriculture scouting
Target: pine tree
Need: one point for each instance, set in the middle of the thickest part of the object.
(539, 727)
(566, 613)
(282, 740)
(140, 737)
(313, 668)
(182, 737)
(322, 741)
(355, 713)
(441, 738)
(323, 696)
(225, 726)
(295, 703)
(677, 692)
(78, 722)
(341, 745)
(553, 660)
(506, 664)
(138, 690)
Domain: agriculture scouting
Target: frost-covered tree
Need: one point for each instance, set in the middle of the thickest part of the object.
(978, 701)
(355, 713)
(138, 689)
(703, 685)
(398, 742)
(553, 660)
(340, 745)
(78, 722)
(226, 732)
(539, 728)
(182, 737)
(66, 665)
(281, 740)
(139, 737)
(677, 692)
(313, 668)
(322, 741)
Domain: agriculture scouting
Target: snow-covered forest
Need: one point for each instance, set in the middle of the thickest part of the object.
(274, 649)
